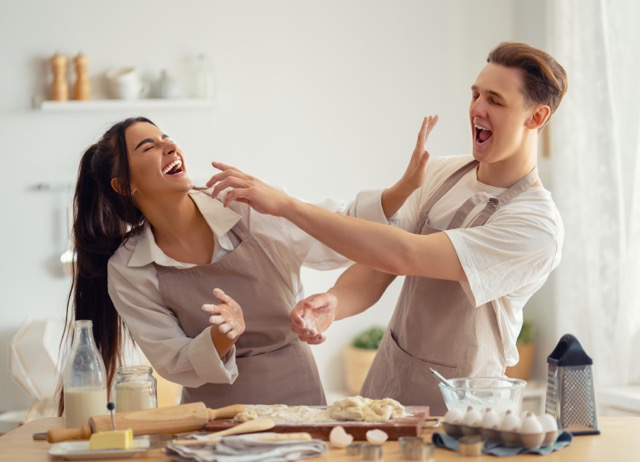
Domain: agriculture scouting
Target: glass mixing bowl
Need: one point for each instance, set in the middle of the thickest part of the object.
(499, 393)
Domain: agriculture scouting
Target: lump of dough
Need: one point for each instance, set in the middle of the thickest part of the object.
(377, 412)
(245, 416)
(350, 413)
(397, 409)
(358, 408)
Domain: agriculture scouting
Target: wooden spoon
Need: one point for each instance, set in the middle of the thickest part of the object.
(250, 426)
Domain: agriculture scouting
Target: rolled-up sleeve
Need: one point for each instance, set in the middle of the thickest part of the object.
(368, 206)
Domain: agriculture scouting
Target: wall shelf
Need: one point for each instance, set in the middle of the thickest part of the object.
(115, 104)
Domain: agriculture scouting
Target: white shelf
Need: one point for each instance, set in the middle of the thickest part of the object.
(116, 104)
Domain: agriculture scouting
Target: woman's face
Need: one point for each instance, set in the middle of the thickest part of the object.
(156, 164)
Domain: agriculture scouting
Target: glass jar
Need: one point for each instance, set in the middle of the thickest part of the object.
(205, 77)
(135, 389)
(84, 378)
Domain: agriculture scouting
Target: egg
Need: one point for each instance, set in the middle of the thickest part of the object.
(550, 427)
(510, 422)
(453, 416)
(339, 438)
(490, 419)
(548, 422)
(490, 424)
(473, 418)
(376, 436)
(530, 424)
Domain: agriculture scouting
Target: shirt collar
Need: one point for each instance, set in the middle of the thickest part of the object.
(219, 218)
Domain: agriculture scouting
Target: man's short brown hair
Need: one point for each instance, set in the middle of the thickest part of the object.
(544, 80)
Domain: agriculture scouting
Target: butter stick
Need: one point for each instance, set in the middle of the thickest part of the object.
(116, 439)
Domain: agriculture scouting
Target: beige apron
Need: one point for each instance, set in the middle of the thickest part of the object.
(435, 325)
(274, 367)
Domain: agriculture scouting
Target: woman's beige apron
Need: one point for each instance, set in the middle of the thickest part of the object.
(274, 367)
(435, 325)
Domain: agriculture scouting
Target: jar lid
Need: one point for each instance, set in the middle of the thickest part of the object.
(134, 370)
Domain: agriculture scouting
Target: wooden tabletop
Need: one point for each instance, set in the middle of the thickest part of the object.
(618, 442)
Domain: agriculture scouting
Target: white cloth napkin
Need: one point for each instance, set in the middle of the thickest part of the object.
(258, 447)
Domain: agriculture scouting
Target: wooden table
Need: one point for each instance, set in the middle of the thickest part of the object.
(618, 442)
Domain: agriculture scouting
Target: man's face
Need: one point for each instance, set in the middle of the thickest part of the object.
(498, 114)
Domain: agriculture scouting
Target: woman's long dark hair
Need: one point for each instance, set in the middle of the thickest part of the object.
(103, 220)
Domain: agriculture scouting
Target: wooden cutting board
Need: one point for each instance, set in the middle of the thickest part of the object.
(411, 425)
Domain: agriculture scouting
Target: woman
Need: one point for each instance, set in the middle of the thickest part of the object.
(151, 249)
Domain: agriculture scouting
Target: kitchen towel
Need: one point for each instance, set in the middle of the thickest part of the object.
(443, 440)
(248, 448)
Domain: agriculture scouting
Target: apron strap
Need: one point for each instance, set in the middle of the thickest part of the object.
(467, 207)
(494, 203)
(444, 189)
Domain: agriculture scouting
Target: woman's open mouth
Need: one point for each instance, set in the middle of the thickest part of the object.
(173, 168)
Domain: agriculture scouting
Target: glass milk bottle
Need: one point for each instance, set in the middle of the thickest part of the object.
(84, 379)
(135, 389)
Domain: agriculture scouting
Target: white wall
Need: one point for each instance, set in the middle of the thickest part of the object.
(325, 98)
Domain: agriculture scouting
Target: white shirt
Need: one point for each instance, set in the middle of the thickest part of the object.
(134, 287)
(506, 260)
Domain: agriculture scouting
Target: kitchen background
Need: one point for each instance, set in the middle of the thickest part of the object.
(323, 98)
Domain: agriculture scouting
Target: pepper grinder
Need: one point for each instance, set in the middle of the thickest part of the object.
(82, 87)
(59, 85)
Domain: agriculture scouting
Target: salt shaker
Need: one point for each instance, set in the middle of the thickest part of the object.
(135, 389)
(59, 84)
(81, 87)
(84, 378)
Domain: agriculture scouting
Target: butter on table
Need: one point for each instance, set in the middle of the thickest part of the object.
(116, 439)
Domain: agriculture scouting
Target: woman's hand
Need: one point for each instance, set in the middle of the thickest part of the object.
(413, 177)
(312, 316)
(248, 189)
(227, 316)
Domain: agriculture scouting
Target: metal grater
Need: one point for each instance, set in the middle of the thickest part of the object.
(570, 391)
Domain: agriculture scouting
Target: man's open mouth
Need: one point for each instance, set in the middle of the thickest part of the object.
(173, 168)
(482, 134)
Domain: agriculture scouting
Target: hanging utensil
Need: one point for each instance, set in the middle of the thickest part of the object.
(68, 257)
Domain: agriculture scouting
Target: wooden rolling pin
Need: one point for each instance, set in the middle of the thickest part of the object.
(171, 419)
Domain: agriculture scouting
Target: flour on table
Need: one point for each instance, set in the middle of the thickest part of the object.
(354, 408)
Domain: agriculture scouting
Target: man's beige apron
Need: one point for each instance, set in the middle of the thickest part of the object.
(274, 366)
(435, 325)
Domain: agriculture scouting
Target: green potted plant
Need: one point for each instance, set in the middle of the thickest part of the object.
(358, 356)
(525, 346)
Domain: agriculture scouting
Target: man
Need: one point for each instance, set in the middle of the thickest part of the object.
(479, 236)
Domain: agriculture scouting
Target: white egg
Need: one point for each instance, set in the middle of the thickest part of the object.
(510, 422)
(530, 424)
(453, 416)
(339, 438)
(548, 422)
(377, 436)
(490, 419)
(473, 418)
